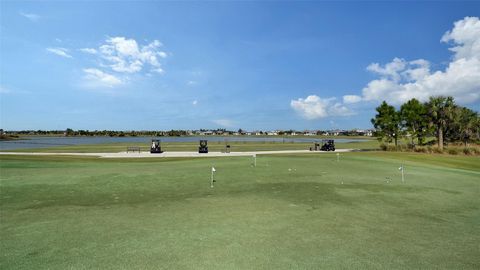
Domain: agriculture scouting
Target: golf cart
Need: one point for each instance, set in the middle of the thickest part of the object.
(328, 145)
(155, 148)
(203, 148)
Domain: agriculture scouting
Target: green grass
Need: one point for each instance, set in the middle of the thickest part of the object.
(89, 213)
(193, 146)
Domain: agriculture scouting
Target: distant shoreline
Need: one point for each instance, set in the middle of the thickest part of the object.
(20, 137)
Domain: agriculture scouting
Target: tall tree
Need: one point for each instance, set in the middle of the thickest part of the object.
(441, 111)
(413, 119)
(387, 122)
(467, 124)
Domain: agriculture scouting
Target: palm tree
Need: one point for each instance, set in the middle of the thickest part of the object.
(441, 110)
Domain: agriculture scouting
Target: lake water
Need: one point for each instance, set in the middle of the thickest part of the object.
(44, 142)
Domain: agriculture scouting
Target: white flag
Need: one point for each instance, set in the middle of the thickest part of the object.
(213, 169)
(401, 168)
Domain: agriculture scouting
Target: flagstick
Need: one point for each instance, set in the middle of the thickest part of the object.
(254, 160)
(403, 178)
(211, 180)
(338, 157)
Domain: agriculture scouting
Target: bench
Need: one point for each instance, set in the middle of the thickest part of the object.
(133, 149)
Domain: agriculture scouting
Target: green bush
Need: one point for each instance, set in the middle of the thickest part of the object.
(453, 151)
(467, 151)
(437, 150)
(383, 147)
(420, 149)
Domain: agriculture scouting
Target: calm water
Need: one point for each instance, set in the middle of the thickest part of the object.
(43, 142)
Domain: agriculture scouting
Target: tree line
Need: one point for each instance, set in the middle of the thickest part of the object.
(440, 116)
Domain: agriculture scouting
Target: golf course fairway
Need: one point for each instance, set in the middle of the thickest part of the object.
(289, 212)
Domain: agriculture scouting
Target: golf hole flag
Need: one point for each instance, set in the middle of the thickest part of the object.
(211, 178)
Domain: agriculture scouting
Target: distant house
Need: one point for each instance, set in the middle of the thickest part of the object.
(335, 132)
(272, 133)
(206, 133)
(310, 133)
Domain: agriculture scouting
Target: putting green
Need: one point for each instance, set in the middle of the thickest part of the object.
(290, 212)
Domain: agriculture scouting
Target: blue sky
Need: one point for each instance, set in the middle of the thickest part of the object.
(252, 65)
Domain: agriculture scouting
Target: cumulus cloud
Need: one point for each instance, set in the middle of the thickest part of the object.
(401, 80)
(118, 57)
(31, 16)
(349, 99)
(60, 52)
(466, 36)
(97, 78)
(223, 122)
(88, 50)
(194, 103)
(314, 107)
(126, 56)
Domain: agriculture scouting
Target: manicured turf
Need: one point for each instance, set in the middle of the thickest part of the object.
(289, 212)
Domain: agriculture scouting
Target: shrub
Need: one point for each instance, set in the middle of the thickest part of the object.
(420, 149)
(391, 148)
(402, 148)
(437, 150)
(383, 147)
(453, 151)
(467, 151)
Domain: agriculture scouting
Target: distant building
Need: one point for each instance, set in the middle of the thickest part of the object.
(206, 133)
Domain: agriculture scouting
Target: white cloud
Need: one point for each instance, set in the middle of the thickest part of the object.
(60, 52)
(119, 56)
(194, 103)
(126, 56)
(223, 122)
(466, 35)
(349, 99)
(97, 78)
(4, 90)
(314, 107)
(390, 70)
(32, 17)
(401, 80)
(88, 50)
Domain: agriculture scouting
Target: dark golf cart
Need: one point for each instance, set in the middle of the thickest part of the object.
(203, 148)
(328, 145)
(155, 148)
